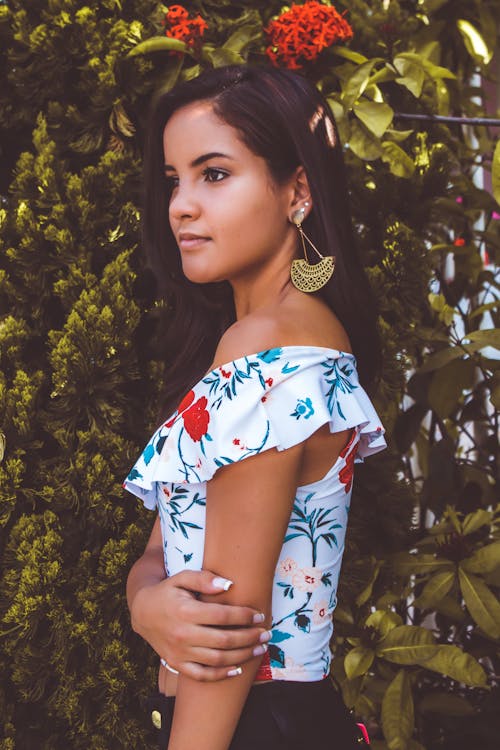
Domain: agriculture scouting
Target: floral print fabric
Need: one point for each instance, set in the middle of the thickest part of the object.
(274, 398)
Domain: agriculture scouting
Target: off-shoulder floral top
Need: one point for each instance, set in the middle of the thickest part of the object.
(273, 399)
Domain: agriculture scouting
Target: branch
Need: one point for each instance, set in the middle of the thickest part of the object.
(494, 122)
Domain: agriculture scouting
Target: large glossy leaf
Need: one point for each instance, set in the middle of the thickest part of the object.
(447, 704)
(398, 160)
(474, 42)
(448, 384)
(383, 621)
(363, 143)
(407, 564)
(398, 713)
(483, 337)
(377, 116)
(407, 644)
(158, 44)
(481, 603)
(358, 81)
(437, 587)
(358, 661)
(474, 521)
(457, 664)
(440, 358)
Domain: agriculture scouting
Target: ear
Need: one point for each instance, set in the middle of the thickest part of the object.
(300, 192)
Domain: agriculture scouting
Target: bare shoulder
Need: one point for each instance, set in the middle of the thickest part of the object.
(300, 321)
(252, 334)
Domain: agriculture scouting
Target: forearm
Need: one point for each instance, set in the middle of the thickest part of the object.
(146, 571)
(206, 714)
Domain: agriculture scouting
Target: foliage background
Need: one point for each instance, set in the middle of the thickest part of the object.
(417, 626)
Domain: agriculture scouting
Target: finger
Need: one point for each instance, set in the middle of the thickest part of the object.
(205, 636)
(217, 658)
(206, 674)
(203, 581)
(206, 613)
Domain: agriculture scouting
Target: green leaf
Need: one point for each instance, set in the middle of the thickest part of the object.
(348, 54)
(242, 37)
(448, 704)
(452, 662)
(383, 621)
(358, 661)
(474, 521)
(448, 384)
(407, 644)
(398, 712)
(474, 42)
(399, 162)
(489, 305)
(221, 56)
(363, 143)
(481, 603)
(411, 77)
(482, 338)
(437, 587)
(407, 564)
(358, 81)
(158, 44)
(495, 172)
(441, 358)
(363, 597)
(484, 560)
(377, 116)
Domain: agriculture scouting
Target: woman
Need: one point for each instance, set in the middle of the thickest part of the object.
(264, 412)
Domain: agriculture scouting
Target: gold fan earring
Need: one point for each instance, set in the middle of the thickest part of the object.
(305, 276)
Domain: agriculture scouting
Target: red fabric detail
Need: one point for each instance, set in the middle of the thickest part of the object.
(347, 472)
(264, 672)
(196, 419)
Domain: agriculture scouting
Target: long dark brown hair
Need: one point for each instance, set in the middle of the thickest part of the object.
(280, 116)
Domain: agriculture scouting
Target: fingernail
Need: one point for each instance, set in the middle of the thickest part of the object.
(265, 636)
(221, 583)
(234, 672)
(259, 617)
(258, 650)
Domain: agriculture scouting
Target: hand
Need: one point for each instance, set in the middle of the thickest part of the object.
(200, 639)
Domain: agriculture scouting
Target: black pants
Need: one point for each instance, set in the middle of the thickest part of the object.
(282, 715)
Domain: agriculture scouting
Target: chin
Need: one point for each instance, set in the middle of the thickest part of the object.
(200, 275)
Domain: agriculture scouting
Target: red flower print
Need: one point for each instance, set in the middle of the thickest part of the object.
(178, 25)
(303, 31)
(346, 474)
(196, 419)
(269, 382)
(226, 373)
(236, 441)
(186, 401)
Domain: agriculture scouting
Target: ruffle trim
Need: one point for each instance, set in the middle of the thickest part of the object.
(273, 399)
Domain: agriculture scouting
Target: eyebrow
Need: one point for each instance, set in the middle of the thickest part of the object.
(204, 157)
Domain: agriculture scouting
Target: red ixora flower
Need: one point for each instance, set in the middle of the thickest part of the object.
(178, 25)
(300, 33)
(196, 419)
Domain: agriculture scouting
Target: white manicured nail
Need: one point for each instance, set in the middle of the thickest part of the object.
(234, 672)
(222, 583)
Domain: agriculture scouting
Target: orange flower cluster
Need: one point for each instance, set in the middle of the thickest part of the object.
(302, 32)
(180, 26)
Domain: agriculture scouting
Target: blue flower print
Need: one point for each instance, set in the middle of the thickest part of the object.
(304, 409)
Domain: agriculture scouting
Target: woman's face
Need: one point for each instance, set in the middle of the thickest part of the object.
(228, 199)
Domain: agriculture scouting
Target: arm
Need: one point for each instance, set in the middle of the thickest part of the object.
(248, 509)
(185, 631)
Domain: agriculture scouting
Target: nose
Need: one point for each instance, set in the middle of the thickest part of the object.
(183, 202)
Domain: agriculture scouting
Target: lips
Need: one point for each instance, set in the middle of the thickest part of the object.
(189, 236)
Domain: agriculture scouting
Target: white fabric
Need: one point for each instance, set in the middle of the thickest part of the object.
(275, 398)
